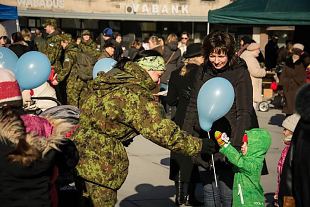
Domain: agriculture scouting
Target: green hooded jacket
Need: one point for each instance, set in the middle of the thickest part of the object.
(119, 107)
(247, 190)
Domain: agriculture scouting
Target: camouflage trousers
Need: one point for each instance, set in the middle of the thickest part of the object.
(74, 88)
(100, 196)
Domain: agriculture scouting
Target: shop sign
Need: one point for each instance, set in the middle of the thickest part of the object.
(157, 9)
(46, 4)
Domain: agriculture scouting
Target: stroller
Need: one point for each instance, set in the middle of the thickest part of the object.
(276, 102)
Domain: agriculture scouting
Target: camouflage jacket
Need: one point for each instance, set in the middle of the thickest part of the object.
(53, 50)
(120, 107)
(71, 53)
(89, 47)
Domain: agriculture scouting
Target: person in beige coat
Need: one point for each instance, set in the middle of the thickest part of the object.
(256, 71)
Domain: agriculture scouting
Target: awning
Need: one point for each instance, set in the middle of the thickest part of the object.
(8, 12)
(105, 16)
(267, 12)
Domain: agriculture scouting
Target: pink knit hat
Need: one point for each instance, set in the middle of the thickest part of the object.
(9, 88)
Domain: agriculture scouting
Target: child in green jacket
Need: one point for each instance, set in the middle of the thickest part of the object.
(247, 190)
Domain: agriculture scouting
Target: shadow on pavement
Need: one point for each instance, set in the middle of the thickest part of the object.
(277, 119)
(269, 199)
(150, 196)
(165, 161)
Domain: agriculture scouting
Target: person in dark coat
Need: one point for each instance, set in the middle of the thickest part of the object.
(271, 52)
(29, 146)
(19, 46)
(301, 142)
(221, 61)
(292, 78)
(172, 57)
(295, 177)
(182, 169)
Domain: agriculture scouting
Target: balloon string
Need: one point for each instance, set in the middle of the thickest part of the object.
(213, 166)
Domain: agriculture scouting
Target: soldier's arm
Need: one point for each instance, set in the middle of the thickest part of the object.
(146, 117)
(53, 50)
(67, 65)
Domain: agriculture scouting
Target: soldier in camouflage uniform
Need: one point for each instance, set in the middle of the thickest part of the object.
(68, 71)
(53, 51)
(53, 48)
(87, 45)
(121, 106)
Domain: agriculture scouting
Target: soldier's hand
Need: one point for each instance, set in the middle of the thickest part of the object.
(208, 146)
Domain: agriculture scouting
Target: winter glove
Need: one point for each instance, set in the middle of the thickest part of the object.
(208, 146)
(221, 138)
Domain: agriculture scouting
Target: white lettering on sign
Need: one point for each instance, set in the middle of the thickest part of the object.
(135, 8)
(47, 4)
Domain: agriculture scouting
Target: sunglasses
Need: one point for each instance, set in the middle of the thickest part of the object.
(184, 38)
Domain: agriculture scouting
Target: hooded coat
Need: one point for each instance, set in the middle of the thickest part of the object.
(300, 147)
(247, 190)
(121, 106)
(28, 186)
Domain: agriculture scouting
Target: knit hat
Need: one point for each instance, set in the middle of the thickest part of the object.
(9, 89)
(152, 63)
(253, 46)
(107, 32)
(109, 43)
(299, 46)
(3, 31)
(290, 122)
(302, 102)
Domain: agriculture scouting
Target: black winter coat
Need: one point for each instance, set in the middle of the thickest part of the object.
(179, 93)
(240, 117)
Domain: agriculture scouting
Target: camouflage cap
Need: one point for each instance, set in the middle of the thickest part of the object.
(85, 32)
(152, 63)
(51, 22)
(66, 37)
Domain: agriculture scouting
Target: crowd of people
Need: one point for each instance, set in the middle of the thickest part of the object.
(152, 90)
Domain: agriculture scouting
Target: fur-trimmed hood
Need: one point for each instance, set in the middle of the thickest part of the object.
(42, 133)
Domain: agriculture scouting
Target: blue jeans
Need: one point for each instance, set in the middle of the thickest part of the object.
(220, 196)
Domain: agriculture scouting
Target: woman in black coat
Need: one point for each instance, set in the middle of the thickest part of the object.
(182, 169)
(295, 177)
(220, 61)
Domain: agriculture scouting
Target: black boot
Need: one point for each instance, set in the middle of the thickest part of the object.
(190, 199)
(179, 194)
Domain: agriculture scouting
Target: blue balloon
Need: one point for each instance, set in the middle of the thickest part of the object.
(8, 59)
(104, 64)
(32, 70)
(215, 98)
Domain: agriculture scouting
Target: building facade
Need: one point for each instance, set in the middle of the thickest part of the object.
(139, 17)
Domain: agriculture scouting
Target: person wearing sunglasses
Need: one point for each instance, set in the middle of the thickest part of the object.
(184, 41)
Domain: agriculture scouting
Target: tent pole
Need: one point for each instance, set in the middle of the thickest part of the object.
(193, 29)
(17, 25)
(208, 28)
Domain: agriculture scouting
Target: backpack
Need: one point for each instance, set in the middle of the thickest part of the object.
(84, 66)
